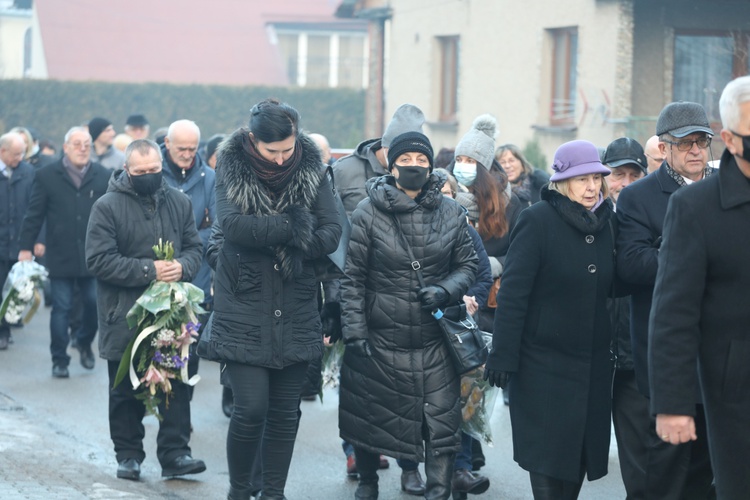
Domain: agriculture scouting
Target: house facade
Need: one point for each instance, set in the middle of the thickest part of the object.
(552, 71)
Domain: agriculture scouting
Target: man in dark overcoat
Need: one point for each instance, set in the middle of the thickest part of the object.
(62, 195)
(700, 311)
(672, 472)
(138, 210)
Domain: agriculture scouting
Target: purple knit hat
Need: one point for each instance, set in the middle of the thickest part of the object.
(576, 158)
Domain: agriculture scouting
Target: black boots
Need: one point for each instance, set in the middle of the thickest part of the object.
(439, 471)
(412, 483)
(549, 488)
(465, 482)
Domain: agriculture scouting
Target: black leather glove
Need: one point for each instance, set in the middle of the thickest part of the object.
(330, 317)
(433, 297)
(497, 378)
(359, 347)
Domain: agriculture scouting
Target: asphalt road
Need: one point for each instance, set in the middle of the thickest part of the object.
(54, 440)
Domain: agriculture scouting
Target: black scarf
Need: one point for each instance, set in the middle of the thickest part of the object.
(577, 215)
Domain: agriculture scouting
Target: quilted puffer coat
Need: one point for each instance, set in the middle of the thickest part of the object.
(409, 382)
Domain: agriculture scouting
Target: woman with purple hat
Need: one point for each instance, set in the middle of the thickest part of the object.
(552, 331)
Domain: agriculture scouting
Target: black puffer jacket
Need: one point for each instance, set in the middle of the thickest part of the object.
(409, 378)
(122, 229)
(260, 317)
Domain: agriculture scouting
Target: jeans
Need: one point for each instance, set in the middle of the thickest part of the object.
(463, 457)
(266, 415)
(126, 421)
(62, 290)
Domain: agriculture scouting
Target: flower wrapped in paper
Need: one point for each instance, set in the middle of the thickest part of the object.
(21, 291)
(165, 319)
(478, 402)
(330, 369)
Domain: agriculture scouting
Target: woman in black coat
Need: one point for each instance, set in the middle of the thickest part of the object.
(277, 212)
(525, 180)
(399, 391)
(552, 331)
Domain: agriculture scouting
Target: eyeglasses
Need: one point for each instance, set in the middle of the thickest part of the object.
(687, 145)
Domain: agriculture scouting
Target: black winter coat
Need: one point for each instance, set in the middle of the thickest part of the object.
(265, 302)
(700, 312)
(552, 330)
(409, 380)
(15, 194)
(121, 233)
(66, 209)
(641, 208)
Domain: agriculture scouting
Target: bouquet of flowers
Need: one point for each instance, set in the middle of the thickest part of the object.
(333, 356)
(21, 297)
(165, 316)
(478, 399)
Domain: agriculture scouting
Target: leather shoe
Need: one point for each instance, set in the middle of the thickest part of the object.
(366, 491)
(3, 343)
(60, 371)
(129, 469)
(412, 483)
(87, 357)
(183, 465)
(466, 482)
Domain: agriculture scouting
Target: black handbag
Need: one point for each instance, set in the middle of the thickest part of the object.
(332, 266)
(465, 342)
(201, 348)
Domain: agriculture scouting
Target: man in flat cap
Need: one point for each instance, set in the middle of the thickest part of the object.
(684, 471)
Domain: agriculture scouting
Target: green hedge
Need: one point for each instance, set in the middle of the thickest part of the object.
(52, 107)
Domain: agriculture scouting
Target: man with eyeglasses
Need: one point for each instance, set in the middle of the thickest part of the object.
(62, 195)
(684, 471)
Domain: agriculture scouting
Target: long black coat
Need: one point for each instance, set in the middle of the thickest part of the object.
(261, 318)
(122, 230)
(66, 209)
(552, 330)
(15, 194)
(700, 312)
(409, 380)
(641, 208)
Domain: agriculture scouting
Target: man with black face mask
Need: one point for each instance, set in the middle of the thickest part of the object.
(699, 310)
(138, 210)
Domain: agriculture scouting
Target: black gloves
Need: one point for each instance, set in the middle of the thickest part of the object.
(302, 223)
(433, 297)
(359, 347)
(497, 378)
(330, 317)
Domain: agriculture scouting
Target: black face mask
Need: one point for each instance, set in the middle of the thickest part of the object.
(146, 184)
(745, 146)
(412, 178)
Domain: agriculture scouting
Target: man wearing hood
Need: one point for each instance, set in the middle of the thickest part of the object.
(138, 209)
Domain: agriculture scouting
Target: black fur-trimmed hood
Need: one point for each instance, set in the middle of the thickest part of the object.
(247, 191)
(576, 214)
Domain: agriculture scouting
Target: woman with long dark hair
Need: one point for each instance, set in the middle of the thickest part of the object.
(277, 212)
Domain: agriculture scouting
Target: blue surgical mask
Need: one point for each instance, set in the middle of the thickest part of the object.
(465, 173)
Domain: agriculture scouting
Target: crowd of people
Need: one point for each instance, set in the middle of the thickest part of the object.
(612, 284)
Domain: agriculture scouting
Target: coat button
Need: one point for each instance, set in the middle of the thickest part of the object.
(589, 239)
(277, 313)
(592, 268)
(276, 267)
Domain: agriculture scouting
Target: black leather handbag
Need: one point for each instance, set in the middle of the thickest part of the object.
(332, 266)
(465, 342)
(201, 348)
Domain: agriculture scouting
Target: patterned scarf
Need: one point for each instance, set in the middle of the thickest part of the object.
(680, 180)
(522, 188)
(274, 176)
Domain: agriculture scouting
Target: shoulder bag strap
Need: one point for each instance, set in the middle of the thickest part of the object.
(414, 262)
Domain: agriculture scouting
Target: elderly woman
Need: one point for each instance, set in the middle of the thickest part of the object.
(399, 391)
(525, 180)
(552, 331)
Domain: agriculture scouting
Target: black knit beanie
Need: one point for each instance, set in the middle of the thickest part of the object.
(409, 142)
(97, 126)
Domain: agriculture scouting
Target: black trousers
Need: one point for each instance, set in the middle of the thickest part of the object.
(126, 421)
(631, 417)
(683, 471)
(5, 266)
(266, 415)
